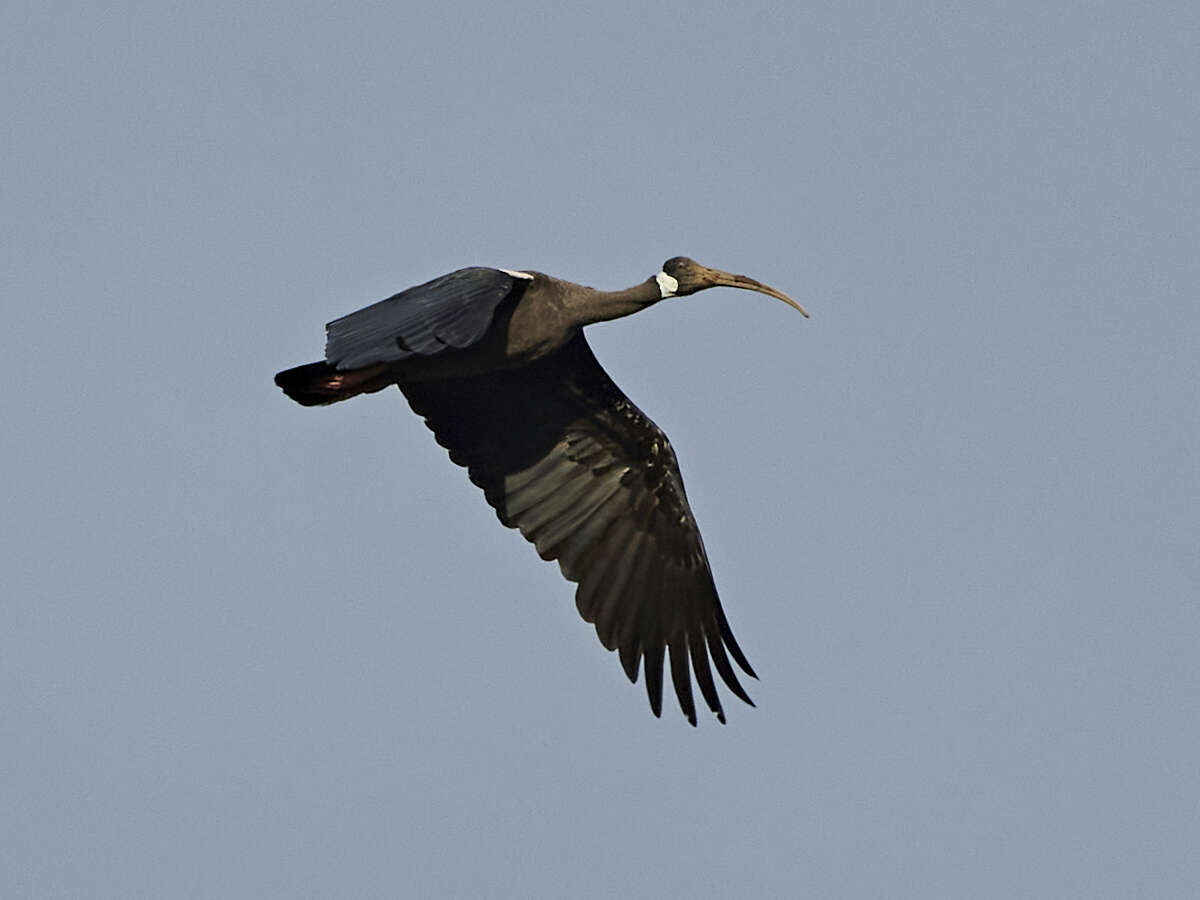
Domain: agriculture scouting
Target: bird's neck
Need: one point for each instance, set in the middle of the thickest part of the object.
(603, 306)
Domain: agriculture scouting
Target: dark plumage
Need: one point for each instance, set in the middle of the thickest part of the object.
(497, 364)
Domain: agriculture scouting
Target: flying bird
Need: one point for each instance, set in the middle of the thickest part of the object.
(496, 362)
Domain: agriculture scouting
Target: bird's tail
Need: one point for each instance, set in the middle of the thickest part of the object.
(319, 383)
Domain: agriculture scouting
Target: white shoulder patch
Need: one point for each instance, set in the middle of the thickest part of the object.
(524, 275)
(667, 286)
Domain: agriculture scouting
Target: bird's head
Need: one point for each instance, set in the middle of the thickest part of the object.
(681, 276)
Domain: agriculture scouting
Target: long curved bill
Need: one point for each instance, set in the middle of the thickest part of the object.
(725, 279)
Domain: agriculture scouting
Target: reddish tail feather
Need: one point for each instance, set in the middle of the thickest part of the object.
(317, 384)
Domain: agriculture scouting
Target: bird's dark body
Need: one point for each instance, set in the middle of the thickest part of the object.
(497, 364)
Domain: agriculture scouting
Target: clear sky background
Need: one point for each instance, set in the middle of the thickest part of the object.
(252, 650)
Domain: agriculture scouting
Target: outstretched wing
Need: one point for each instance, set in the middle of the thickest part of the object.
(454, 310)
(565, 457)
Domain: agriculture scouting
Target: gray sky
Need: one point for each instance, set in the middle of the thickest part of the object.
(252, 650)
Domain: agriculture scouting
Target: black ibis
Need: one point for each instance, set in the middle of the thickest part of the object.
(496, 362)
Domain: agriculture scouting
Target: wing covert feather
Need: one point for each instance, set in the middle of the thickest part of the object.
(453, 310)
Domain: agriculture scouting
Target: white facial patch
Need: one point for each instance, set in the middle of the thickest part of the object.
(667, 286)
(524, 275)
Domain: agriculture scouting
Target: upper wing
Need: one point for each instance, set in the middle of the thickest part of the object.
(564, 456)
(454, 310)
